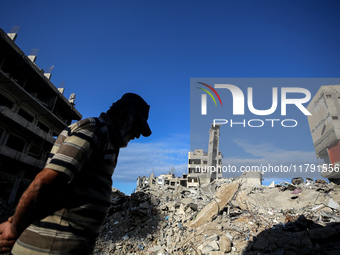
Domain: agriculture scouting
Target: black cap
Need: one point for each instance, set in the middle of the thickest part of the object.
(129, 100)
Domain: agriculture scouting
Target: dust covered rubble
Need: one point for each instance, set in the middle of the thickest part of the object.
(227, 216)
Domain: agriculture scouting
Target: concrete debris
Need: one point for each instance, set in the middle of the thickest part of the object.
(297, 180)
(332, 204)
(272, 184)
(228, 216)
(252, 177)
(210, 211)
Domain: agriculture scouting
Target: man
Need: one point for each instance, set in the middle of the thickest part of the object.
(61, 212)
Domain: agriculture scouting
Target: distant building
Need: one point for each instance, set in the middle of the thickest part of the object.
(324, 124)
(168, 180)
(32, 113)
(207, 166)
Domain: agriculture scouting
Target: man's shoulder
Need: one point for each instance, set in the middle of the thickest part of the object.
(90, 123)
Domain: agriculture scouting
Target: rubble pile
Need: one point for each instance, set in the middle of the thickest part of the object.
(227, 216)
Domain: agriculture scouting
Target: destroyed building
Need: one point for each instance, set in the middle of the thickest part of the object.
(206, 166)
(169, 180)
(203, 167)
(324, 124)
(32, 113)
(225, 216)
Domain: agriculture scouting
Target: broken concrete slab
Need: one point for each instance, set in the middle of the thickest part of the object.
(252, 177)
(222, 197)
(332, 204)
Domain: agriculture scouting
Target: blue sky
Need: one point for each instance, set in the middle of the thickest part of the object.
(102, 49)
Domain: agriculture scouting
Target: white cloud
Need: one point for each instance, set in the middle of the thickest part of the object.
(142, 159)
(270, 155)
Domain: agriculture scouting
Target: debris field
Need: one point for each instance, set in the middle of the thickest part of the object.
(226, 216)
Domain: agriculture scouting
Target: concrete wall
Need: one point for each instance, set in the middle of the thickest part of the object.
(324, 123)
(207, 166)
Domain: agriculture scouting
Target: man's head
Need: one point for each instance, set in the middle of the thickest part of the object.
(130, 114)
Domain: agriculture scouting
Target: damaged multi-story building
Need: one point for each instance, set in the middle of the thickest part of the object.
(169, 180)
(324, 124)
(32, 113)
(203, 167)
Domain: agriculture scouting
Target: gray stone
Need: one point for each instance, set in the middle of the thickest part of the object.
(225, 244)
(154, 250)
(206, 249)
(214, 245)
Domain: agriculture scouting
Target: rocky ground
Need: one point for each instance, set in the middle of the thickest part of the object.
(228, 216)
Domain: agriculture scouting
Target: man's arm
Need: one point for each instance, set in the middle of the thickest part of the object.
(34, 204)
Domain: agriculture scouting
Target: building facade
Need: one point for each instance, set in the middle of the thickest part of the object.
(324, 124)
(32, 114)
(206, 166)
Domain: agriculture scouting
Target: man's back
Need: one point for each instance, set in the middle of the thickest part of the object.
(64, 207)
(84, 153)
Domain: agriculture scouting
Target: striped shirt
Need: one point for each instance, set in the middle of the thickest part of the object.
(85, 152)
